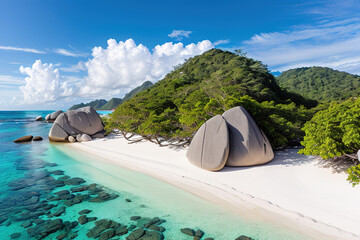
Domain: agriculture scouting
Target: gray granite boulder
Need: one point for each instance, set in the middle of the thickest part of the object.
(248, 144)
(71, 139)
(209, 148)
(75, 122)
(53, 116)
(85, 138)
(38, 118)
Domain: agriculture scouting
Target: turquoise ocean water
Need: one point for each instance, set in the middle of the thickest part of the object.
(33, 204)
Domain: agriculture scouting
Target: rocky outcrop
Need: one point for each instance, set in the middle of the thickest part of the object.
(82, 124)
(232, 139)
(27, 138)
(53, 116)
(209, 148)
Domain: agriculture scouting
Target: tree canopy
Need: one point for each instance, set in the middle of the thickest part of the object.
(207, 85)
(320, 83)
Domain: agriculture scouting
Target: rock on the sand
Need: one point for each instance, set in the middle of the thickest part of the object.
(27, 138)
(71, 139)
(85, 138)
(209, 148)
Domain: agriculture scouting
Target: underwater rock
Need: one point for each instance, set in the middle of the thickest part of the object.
(79, 189)
(152, 222)
(83, 219)
(188, 231)
(27, 138)
(107, 235)
(103, 197)
(62, 193)
(45, 228)
(85, 211)
(127, 200)
(243, 237)
(198, 234)
(153, 235)
(57, 172)
(26, 224)
(74, 181)
(134, 218)
(121, 230)
(58, 212)
(136, 234)
(15, 235)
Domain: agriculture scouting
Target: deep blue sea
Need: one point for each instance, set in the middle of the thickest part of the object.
(45, 185)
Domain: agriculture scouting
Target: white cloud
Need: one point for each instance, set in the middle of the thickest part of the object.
(111, 71)
(219, 42)
(43, 84)
(333, 44)
(11, 80)
(69, 53)
(125, 64)
(31, 50)
(179, 34)
(80, 66)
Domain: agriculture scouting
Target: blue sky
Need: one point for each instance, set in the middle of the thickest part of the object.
(56, 53)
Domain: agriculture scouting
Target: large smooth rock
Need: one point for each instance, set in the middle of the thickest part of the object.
(248, 144)
(209, 148)
(57, 133)
(85, 120)
(83, 123)
(27, 138)
(38, 118)
(54, 115)
(47, 118)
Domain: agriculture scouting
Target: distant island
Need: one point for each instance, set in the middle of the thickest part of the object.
(102, 104)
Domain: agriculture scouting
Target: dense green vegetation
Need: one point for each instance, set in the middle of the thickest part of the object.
(96, 104)
(320, 83)
(102, 104)
(334, 132)
(207, 85)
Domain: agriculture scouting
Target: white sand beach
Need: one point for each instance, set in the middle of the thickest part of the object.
(292, 191)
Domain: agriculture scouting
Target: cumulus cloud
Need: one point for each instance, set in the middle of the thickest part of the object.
(127, 65)
(43, 84)
(333, 44)
(110, 71)
(179, 34)
(30, 50)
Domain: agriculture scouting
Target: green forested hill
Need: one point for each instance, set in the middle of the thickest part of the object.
(320, 83)
(207, 85)
(97, 104)
(102, 104)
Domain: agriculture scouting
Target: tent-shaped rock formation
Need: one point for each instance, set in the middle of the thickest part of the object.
(209, 148)
(73, 122)
(232, 139)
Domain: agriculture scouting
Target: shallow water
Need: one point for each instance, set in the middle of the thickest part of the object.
(138, 194)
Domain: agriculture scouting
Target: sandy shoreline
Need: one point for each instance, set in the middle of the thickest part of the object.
(291, 191)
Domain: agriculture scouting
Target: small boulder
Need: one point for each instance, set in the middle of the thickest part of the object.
(188, 231)
(27, 138)
(85, 211)
(15, 235)
(38, 118)
(37, 138)
(78, 137)
(85, 138)
(47, 118)
(71, 139)
(83, 219)
(54, 115)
